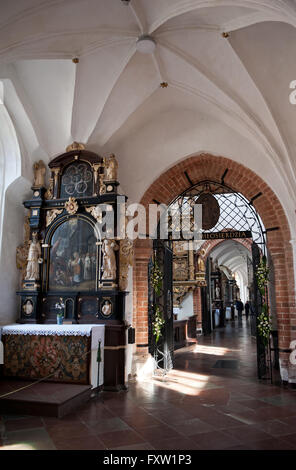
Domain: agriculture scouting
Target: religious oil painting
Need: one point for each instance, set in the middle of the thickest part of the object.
(73, 257)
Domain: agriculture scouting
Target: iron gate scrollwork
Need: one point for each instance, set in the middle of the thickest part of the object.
(163, 350)
(236, 214)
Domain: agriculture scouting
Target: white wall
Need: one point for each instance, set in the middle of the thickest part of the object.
(186, 307)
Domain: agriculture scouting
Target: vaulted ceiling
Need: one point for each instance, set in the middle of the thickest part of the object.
(228, 96)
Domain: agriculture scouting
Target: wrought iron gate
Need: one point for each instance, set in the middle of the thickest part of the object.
(236, 214)
(163, 350)
(264, 361)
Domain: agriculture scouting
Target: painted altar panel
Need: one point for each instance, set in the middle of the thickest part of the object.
(73, 257)
(35, 356)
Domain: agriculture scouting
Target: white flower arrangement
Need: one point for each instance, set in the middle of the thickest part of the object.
(157, 323)
(60, 306)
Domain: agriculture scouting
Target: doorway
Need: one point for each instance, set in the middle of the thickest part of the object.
(211, 287)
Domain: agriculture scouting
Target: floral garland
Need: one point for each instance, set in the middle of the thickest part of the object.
(156, 282)
(156, 278)
(264, 324)
(263, 320)
(262, 274)
(157, 323)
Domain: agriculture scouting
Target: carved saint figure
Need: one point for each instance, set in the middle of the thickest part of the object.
(39, 174)
(109, 261)
(217, 292)
(32, 273)
(111, 166)
(201, 264)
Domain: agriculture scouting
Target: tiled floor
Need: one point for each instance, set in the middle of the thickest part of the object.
(198, 406)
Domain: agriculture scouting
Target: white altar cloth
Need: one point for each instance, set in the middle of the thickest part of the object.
(97, 333)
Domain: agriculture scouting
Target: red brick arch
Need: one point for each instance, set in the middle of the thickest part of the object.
(202, 167)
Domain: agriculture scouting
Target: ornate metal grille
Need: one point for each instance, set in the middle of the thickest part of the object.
(236, 212)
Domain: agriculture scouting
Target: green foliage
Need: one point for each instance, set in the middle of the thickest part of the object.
(262, 274)
(156, 278)
(158, 323)
(264, 324)
(263, 320)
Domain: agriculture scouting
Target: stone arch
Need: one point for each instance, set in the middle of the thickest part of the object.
(202, 167)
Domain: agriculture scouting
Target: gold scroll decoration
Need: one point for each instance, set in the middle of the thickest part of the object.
(51, 215)
(75, 146)
(96, 212)
(23, 250)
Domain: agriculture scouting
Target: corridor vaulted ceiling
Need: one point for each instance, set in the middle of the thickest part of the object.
(227, 96)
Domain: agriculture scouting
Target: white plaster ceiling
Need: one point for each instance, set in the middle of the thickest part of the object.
(232, 255)
(225, 96)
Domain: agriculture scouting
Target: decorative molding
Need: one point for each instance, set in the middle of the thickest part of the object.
(96, 212)
(75, 146)
(51, 215)
(49, 192)
(22, 251)
(71, 206)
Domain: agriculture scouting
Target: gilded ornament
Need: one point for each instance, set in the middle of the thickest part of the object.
(23, 250)
(71, 206)
(49, 192)
(110, 166)
(75, 146)
(51, 215)
(96, 212)
(102, 186)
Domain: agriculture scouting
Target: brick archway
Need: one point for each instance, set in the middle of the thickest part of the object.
(241, 179)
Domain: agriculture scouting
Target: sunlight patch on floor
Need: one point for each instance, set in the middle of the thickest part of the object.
(213, 350)
(20, 446)
(184, 382)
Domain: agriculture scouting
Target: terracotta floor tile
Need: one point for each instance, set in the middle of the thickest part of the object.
(107, 425)
(271, 444)
(193, 426)
(87, 443)
(214, 440)
(246, 434)
(181, 443)
(233, 410)
(154, 433)
(276, 428)
(24, 423)
(141, 421)
(120, 438)
(142, 446)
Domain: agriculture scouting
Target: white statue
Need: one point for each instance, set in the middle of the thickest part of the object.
(109, 261)
(217, 292)
(111, 166)
(39, 174)
(32, 273)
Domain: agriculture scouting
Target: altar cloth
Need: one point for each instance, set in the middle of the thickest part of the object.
(46, 350)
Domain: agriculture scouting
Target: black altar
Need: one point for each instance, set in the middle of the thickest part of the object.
(67, 260)
(64, 220)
